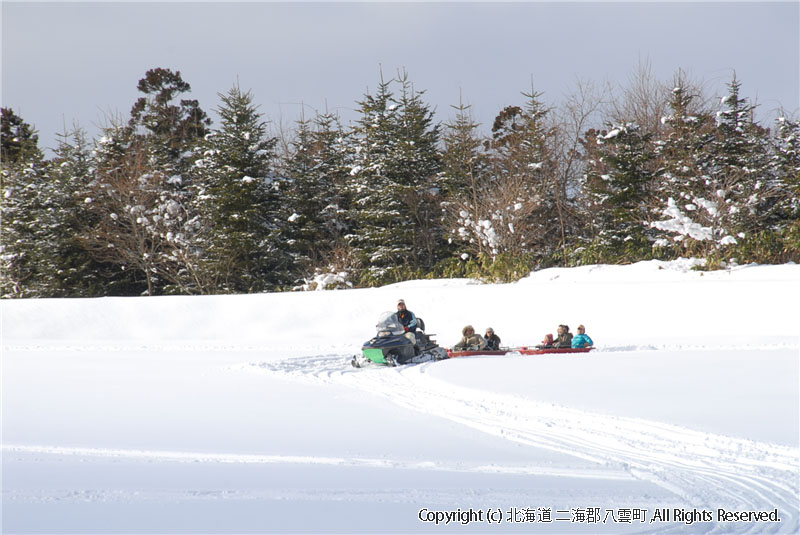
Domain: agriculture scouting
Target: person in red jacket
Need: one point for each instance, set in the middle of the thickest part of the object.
(546, 343)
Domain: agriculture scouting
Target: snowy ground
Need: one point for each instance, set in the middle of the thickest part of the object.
(241, 414)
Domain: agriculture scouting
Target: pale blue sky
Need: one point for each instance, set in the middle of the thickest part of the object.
(65, 62)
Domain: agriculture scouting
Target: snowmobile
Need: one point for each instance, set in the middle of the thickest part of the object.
(392, 345)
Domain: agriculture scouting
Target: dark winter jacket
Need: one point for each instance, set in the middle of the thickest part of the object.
(493, 342)
(563, 340)
(407, 319)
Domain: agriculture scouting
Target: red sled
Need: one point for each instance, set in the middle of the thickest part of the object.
(522, 350)
(545, 350)
(452, 354)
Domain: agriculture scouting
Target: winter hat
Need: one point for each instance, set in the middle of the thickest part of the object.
(548, 338)
(401, 302)
(466, 329)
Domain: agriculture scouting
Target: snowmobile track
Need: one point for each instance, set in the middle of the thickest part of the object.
(702, 469)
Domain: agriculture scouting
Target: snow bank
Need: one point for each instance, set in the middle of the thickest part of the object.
(641, 304)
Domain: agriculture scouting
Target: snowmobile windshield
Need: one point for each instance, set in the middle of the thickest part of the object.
(389, 324)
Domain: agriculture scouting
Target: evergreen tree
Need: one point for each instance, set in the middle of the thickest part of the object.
(741, 171)
(18, 140)
(74, 273)
(418, 165)
(381, 235)
(514, 214)
(318, 173)
(173, 126)
(786, 159)
(238, 198)
(24, 185)
(465, 167)
(620, 181)
(685, 174)
(464, 163)
(524, 162)
(395, 164)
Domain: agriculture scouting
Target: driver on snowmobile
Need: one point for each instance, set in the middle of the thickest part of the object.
(409, 322)
(407, 318)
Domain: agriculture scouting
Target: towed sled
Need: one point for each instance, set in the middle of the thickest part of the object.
(474, 352)
(545, 350)
(521, 350)
(392, 345)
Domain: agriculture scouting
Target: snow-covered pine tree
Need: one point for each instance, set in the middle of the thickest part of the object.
(74, 272)
(786, 160)
(417, 168)
(619, 183)
(514, 214)
(465, 165)
(742, 177)
(41, 215)
(238, 198)
(380, 236)
(301, 190)
(394, 166)
(24, 251)
(317, 173)
(331, 155)
(464, 162)
(684, 196)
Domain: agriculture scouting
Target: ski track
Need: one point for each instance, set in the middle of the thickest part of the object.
(36, 452)
(704, 470)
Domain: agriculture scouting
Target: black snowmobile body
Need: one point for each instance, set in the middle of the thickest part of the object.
(392, 345)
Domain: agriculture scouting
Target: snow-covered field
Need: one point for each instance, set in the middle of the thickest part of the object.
(242, 414)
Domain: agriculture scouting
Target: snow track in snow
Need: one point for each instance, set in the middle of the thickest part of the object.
(704, 470)
(28, 451)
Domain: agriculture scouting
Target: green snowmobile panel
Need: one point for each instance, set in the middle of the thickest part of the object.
(375, 355)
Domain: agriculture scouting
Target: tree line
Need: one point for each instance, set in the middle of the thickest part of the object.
(163, 202)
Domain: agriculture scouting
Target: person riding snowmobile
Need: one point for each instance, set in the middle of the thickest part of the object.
(409, 322)
(406, 317)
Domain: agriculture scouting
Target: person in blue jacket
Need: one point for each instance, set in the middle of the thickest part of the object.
(582, 339)
(406, 317)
